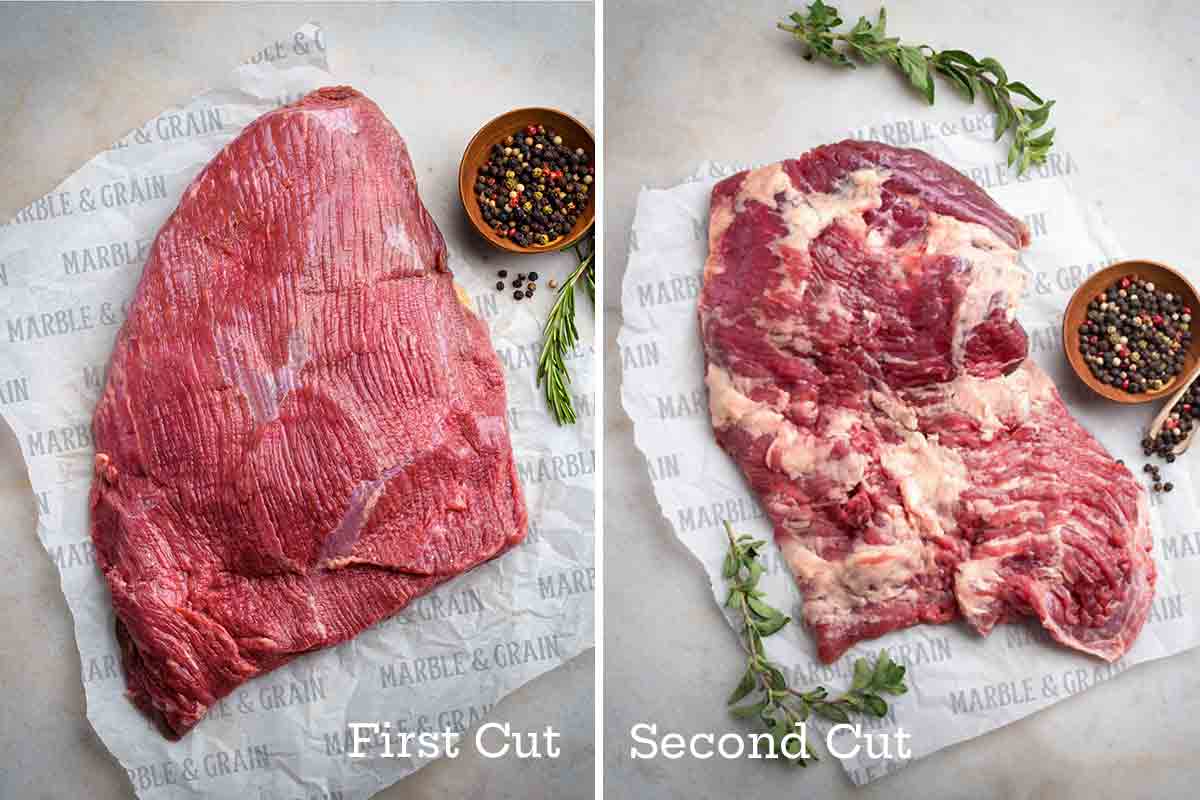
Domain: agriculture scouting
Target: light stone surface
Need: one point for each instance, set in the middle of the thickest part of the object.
(687, 81)
(74, 79)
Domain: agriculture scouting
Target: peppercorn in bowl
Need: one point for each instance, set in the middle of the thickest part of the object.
(1130, 331)
(527, 180)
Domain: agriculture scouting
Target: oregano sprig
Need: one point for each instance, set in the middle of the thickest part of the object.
(763, 690)
(868, 42)
(560, 334)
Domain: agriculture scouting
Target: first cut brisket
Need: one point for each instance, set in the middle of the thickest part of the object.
(303, 427)
(865, 370)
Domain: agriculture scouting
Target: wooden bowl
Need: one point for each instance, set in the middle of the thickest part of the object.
(1161, 276)
(575, 135)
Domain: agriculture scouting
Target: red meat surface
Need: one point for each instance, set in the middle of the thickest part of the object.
(866, 372)
(303, 428)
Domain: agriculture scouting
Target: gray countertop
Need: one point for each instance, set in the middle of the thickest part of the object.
(75, 79)
(687, 81)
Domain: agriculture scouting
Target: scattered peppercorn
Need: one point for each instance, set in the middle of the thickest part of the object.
(500, 285)
(533, 276)
(503, 273)
(553, 284)
(1168, 486)
(533, 188)
(517, 295)
(529, 292)
(1135, 336)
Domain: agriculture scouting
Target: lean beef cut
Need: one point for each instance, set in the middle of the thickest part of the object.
(303, 427)
(865, 370)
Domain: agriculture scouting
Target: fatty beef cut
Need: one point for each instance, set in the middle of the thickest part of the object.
(866, 371)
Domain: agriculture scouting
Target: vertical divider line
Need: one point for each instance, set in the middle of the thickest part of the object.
(598, 421)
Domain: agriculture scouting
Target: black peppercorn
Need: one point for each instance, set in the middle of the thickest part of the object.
(533, 276)
(503, 273)
(499, 285)
(517, 295)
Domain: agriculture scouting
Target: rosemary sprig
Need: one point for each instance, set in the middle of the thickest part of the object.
(560, 334)
(777, 706)
(869, 43)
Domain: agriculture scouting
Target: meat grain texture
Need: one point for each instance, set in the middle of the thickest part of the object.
(303, 428)
(866, 371)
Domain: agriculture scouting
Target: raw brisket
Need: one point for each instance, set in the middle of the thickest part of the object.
(865, 370)
(303, 427)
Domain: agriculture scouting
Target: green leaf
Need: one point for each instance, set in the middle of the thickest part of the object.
(1043, 141)
(746, 686)
(1019, 88)
(760, 608)
(912, 62)
(1003, 115)
(862, 675)
(1036, 117)
(855, 701)
(993, 66)
(729, 568)
(875, 705)
(959, 78)
(805, 709)
(773, 625)
(869, 40)
(831, 712)
(822, 17)
(775, 677)
(958, 57)
(895, 676)
(883, 666)
(748, 711)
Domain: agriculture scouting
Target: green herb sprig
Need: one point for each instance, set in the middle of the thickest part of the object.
(777, 706)
(869, 43)
(560, 334)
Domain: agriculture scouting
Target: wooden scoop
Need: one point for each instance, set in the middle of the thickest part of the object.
(1156, 426)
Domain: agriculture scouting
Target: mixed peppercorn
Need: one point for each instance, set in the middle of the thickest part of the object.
(533, 188)
(1135, 336)
(524, 285)
(1180, 421)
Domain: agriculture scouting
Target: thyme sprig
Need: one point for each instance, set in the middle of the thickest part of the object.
(869, 43)
(771, 701)
(560, 335)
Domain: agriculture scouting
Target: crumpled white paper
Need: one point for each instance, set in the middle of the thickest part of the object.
(68, 264)
(960, 685)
